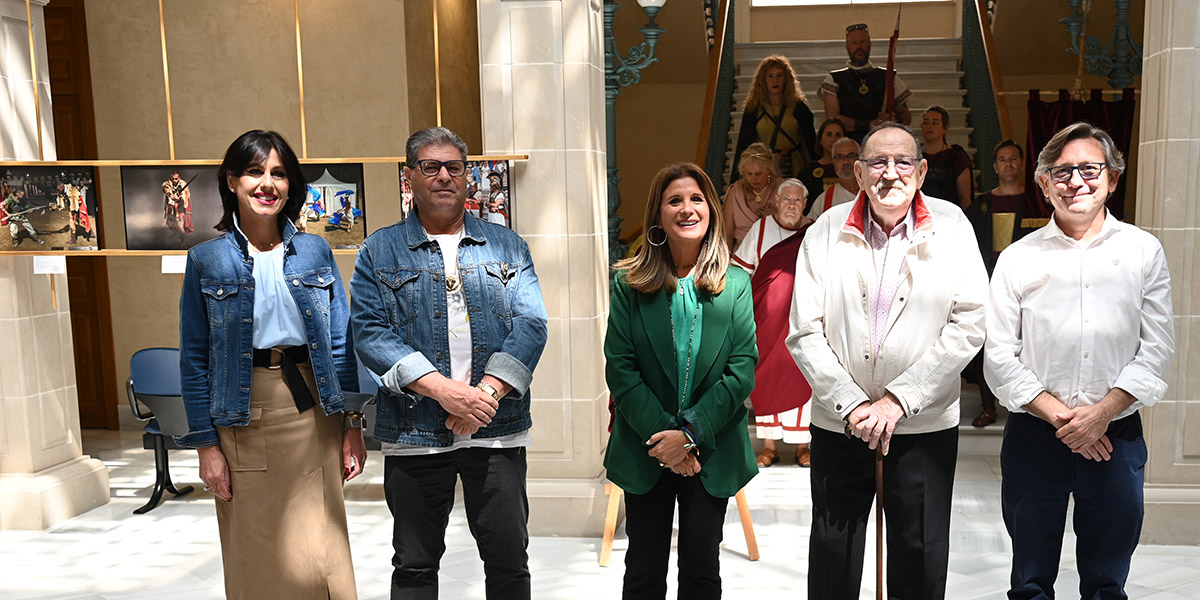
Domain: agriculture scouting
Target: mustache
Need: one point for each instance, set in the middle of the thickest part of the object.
(884, 185)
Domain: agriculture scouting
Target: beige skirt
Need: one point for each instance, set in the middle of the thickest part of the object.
(284, 533)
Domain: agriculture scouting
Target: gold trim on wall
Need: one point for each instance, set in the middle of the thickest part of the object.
(300, 77)
(33, 74)
(162, 34)
(437, 67)
(193, 162)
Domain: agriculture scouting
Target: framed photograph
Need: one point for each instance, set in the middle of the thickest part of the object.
(48, 208)
(335, 207)
(170, 207)
(489, 191)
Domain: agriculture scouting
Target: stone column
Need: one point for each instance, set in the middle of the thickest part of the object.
(542, 84)
(44, 476)
(1167, 202)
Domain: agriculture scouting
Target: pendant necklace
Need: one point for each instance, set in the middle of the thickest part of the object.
(687, 369)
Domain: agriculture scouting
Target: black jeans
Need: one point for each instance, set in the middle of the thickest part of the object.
(420, 494)
(1040, 474)
(918, 482)
(648, 522)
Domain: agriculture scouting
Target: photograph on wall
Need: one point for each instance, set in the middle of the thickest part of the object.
(48, 208)
(170, 207)
(335, 207)
(489, 191)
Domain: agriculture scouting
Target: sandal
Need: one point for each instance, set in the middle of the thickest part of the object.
(767, 458)
(984, 419)
(803, 456)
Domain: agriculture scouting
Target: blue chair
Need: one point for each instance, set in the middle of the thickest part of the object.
(154, 382)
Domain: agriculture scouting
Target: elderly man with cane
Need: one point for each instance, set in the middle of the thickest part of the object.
(888, 308)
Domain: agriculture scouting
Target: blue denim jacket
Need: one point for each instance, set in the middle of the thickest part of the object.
(398, 313)
(216, 329)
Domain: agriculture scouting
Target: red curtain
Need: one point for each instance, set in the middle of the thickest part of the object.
(1046, 118)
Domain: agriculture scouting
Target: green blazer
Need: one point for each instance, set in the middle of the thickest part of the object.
(641, 374)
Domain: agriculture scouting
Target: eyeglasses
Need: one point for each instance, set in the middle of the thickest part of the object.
(431, 168)
(851, 157)
(1088, 171)
(904, 164)
(856, 27)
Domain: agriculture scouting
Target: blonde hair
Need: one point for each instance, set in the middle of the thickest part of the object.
(760, 153)
(652, 267)
(758, 90)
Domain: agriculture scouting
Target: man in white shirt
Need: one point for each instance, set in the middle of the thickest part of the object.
(845, 154)
(887, 310)
(1080, 336)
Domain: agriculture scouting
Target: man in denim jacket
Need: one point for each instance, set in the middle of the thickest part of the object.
(447, 308)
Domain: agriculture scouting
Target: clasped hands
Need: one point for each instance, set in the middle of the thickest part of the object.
(470, 408)
(874, 422)
(1084, 428)
(670, 448)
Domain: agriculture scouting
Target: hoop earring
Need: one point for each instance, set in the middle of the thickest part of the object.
(650, 241)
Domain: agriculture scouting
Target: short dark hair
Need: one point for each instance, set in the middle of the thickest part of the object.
(826, 124)
(892, 125)
(254, 147)
(1080, 130)
(942, 112)
(433, 136)
(1009, 143)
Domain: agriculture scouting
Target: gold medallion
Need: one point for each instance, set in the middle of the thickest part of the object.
(452, 283)
(863, 89)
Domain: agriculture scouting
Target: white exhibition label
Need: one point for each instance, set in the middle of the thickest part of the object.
(174, 263)
(49, 265)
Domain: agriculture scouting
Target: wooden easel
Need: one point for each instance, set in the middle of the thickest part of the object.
(615, 493)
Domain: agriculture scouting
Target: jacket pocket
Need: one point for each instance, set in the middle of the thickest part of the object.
(221, 301)
(496, 279)
(403, 285)
(320, 287)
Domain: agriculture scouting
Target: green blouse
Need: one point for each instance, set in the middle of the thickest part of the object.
(685, 333)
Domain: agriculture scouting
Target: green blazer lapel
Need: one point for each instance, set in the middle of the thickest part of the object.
(715, 323)
(656, 319)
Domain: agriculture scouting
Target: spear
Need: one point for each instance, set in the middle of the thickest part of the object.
(890, 94)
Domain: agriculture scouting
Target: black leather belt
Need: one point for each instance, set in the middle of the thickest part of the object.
(286, 359)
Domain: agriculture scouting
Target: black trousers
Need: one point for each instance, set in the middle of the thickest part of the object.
(648, 522)
(420, 494)
(918, 481)
(1039, 475)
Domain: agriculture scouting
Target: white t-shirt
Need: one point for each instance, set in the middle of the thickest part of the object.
(458, 325)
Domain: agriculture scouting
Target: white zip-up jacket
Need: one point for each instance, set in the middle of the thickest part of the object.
(934, 328)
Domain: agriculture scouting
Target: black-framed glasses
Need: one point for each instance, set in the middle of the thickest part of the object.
(851, 156)
(904, 164)
(1088, 171)
(856, 27)
(430, 167)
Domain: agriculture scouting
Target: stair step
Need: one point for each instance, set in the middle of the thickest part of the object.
(837, 47)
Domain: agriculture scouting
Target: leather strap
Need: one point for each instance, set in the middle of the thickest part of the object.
(286, 360)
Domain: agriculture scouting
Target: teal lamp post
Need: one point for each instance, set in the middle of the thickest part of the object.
(620, 71)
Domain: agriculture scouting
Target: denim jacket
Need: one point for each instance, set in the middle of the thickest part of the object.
(216, 329)
(398, 314)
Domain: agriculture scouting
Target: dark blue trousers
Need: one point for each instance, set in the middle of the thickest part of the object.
(1040, 474)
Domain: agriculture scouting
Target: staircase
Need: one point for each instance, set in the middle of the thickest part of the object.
(930, 67)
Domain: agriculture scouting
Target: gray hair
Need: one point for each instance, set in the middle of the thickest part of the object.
(1080, 130)
(843, 141)
(893, 125)
(434, 136)
(791, 182)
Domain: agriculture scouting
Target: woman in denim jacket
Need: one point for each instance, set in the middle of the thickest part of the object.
(265, 355)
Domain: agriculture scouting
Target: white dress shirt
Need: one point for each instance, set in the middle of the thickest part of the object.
(1077, 320)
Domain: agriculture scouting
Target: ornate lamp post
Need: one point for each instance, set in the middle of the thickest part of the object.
(620, 71)
(1120, 60)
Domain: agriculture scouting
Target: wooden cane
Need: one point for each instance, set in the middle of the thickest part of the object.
(879, 522)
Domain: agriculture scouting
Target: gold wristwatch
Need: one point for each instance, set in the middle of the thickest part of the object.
(493, 392)
(352, 419)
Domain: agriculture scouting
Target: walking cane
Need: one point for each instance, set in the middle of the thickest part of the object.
(879, 522)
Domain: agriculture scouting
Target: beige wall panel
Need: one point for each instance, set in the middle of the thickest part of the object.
(233, 68)
(550, 437)
(459, 48)
(127, 79)
(112, 208)
(548, 377)
(1191, 431)
(772, 24)
(587, 357)
(145, 311)
(382, 183)
(355, 74)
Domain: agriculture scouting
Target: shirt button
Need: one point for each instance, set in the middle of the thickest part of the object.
(247, 320)
(866, 357)
(439, 356)
(916, 410)
(837, 407)
(320, 279)
(1085, 354)
(295, 282)
(437, 313)
(220, 291)
(322, 380)
(308, 312)
(314, 345)
(435, 278)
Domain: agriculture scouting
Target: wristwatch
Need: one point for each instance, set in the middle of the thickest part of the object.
(353, 419)
(493, 392)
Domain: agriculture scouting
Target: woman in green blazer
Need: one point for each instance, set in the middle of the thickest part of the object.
(681, 354)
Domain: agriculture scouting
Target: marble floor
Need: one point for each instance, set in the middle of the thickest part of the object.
(173, 552)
